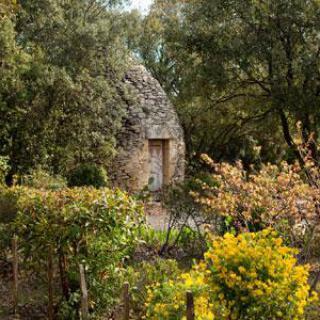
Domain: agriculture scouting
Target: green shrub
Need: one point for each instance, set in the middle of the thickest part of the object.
(176, 242)
(4, 168)
(143, 275)
(40, 179)
(88, 175)
(96, 228)
(186, 216)
(8, 204)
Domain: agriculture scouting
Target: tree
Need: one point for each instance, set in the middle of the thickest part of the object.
(266, 53)
(61, 98)
(254, 65)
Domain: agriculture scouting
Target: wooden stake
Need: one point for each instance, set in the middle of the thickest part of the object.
(126, 301)
(84, 295)
(15, 273)
(50, 284)
(190, 306)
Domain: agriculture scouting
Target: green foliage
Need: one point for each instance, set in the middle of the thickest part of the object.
(61, 97)
(143, 275)
(96, 228)
(4, 168)
(152, 238)
(8, 205)
(235, 69)
(187, 217)
(40, 179)
(88, 175)
(251, 276)
(183, 241)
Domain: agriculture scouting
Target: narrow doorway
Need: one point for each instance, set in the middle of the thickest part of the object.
(158, 164)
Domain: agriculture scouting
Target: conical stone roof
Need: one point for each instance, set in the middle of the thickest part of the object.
(150, 116)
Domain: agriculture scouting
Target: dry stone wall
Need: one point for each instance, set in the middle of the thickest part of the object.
(150, 115)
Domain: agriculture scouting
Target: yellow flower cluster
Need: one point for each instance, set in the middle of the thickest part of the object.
(250, 276)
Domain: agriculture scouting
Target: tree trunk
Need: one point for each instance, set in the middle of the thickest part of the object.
(15, 273)
(84, 294)
(63, 276)
(50, 284)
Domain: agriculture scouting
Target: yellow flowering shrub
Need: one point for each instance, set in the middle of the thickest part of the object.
(249, 276)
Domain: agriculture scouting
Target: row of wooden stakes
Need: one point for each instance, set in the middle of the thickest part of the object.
(84, 291)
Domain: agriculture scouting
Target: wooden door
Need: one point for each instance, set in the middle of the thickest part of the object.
(155, 165)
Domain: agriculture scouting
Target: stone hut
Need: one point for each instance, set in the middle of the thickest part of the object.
(151, 149)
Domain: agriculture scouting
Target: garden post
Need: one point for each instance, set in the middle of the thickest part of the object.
(126, 300)
(15, 273)
(190, 306)
(84, 295)
(50, 283)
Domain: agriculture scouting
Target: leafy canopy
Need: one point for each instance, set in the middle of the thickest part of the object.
(235, 69)
(60, 83)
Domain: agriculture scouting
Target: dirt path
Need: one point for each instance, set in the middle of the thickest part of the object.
(157, 216)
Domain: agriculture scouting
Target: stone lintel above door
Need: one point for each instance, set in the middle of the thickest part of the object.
(158, 132)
